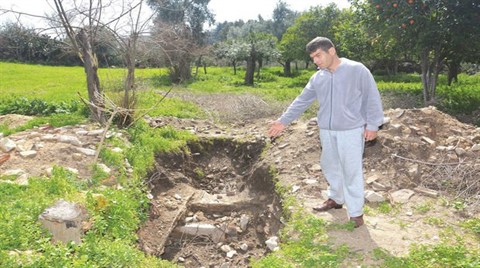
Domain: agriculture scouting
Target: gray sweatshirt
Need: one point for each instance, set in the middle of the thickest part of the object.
(348, 98)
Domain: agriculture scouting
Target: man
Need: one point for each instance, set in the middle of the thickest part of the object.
(350, 113)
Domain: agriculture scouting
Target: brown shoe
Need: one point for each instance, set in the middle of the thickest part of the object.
(327, 205)
(357, 220)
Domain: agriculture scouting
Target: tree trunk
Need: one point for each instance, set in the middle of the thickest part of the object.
(180, 70)
(198, 63)
(453, 71)
(260, 65)
(287, 68)
(90, 64)
(250, 71)
(126, 118)
(431, 64)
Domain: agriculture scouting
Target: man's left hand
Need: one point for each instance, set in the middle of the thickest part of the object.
(370, 135)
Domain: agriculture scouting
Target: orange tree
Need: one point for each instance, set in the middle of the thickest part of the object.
(436, 32)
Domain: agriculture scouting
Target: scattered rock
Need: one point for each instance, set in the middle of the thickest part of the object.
(374, 197)
(272, 243)
(7, 145)
(402, 196)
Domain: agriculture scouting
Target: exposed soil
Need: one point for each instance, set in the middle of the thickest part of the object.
(223, 181)
(215, 200)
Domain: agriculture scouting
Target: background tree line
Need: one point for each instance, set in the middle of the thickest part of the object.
(424, 36)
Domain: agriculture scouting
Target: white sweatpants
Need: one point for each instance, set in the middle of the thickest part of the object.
(342, 165)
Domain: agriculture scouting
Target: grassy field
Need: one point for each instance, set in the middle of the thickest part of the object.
(118, 212)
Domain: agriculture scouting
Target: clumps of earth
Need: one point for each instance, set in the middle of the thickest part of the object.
(214, 203)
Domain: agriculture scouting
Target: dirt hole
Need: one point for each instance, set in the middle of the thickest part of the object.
(213, 205)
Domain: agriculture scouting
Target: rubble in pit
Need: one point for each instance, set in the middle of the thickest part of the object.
(213, 205)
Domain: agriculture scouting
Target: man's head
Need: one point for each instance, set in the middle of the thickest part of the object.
(323, 53)
(322, 43)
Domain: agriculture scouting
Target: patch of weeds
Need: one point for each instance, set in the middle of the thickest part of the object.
(423, 208)
(349, 226)
(472, 225)
(435, 221)
(374, 209)
(111, 158)
(459, 205)
(25, 106)
(8, 177)
(367, 210)
(385, 208)
(443, 255)
(199, 172)
(98, 175)
(147, 141)
(391, 261)
(402, 224)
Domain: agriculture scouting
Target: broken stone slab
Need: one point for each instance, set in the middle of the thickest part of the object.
(86, 151)
(25, 145)
(374, 197)
(426, 191)
(14, 172)
(244, 220)
(104, 168)
(371, 179)
(64, 221)
(49, 137)
(428, 140)
(460, 151)
(22, 179)
(28, 154)
(402, 196)
(7, 145)
(69, 140)
(378, 186)
(475, 148)
(202, 229)
(95, 132)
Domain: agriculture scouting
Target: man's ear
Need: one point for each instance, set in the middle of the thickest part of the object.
(332, 51)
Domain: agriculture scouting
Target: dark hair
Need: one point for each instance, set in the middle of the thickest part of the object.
(319, 42)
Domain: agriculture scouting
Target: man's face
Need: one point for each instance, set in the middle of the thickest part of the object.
(321, 58)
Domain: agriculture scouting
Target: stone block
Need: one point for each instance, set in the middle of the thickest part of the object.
(64, 221)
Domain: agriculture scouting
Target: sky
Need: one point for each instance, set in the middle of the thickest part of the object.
(224, 10)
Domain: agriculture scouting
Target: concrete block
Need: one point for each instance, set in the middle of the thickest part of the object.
(64, 221)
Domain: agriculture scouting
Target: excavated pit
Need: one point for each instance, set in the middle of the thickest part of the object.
(212, 205)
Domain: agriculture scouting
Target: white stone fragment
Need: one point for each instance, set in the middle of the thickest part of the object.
(86, 151)
(7, 145)
(272, 243)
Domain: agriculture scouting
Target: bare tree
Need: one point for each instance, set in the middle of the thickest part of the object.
(82, 37)
(126, 23)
